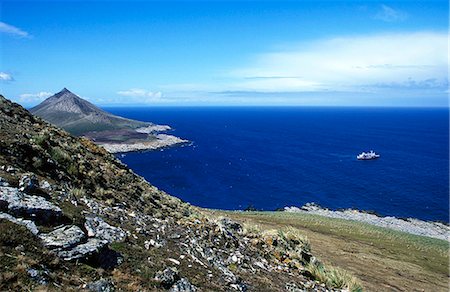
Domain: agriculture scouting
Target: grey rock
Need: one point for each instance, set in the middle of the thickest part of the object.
(63, 237)
(84, 250)
(101, 285)
(21, 204)
(97, 227)
(3, 182)
(27, 223)
(10, 169)
(28, 183)
(167, 277)
(183, 285)
(45, 185)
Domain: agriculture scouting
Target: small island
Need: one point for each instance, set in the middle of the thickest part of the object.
(116, 134)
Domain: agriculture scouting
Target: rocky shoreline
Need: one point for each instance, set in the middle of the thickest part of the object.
(161, 141)
(409, 225)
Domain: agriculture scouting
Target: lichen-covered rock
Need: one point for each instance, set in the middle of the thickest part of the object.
(97, 227)
(167, 277)
(183, 285)
(21, 204)
(28, 183)
(84, 250)
(101, 285)
(27, 223)
(63, 237)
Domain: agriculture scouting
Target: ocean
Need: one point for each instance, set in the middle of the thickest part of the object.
(271, 157)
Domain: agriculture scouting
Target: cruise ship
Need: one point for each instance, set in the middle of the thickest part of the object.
(368, 155)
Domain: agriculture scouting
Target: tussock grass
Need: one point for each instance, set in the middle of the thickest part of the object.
(59, 155)
(333, 277)
(295, 237)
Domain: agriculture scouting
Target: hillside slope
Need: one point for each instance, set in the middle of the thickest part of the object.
(78, 116)
(73, 217)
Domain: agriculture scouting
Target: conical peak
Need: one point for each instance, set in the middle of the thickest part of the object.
(65, 90)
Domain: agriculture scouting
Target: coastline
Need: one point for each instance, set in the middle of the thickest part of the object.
(410, 225)
(161, 141)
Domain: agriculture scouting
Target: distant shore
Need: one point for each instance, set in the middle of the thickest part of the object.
(410, 225)
(160, 141)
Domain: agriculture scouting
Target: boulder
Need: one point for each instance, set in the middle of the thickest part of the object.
(183, 285)
(167, 277)
(21, 204)
(84, 250)
(28, 183)
(27, 223)
(63, 237)
(97, 227)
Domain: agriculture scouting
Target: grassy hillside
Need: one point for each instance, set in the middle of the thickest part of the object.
(144, 239)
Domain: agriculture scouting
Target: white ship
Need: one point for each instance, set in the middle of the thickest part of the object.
(368, 156)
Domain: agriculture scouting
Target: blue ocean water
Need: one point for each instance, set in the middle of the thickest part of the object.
(271, 157)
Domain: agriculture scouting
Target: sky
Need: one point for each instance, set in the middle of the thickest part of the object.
(220, 53)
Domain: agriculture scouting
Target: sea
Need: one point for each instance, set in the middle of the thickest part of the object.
(266, 158)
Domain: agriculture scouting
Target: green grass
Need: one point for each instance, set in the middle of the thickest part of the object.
(334, 277)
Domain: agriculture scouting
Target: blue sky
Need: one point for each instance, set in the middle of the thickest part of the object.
(333, 53)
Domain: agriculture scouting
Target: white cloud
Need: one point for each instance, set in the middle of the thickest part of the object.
(6, 77)
(12, 30)
(390, 14)
(141, 95)
(34, 97)
(361, 63)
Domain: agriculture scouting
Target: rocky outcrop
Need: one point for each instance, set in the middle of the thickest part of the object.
(63, 237)
(97, 227)
(30, 225)
(68, 241)
(29, 206)
(84, 250)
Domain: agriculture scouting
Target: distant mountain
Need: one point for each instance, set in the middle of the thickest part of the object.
(78, 116)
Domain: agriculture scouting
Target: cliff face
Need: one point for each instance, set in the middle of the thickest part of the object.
(74, 217)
